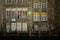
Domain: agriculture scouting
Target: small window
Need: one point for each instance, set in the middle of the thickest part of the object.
(43, 18)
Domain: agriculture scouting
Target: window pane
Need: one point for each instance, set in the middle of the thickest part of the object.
(44, 6)
(43, 18)
(36, 5)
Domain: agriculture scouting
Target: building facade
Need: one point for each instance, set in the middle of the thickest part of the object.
(27, 15)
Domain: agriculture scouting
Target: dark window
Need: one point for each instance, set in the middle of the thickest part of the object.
(44, 7)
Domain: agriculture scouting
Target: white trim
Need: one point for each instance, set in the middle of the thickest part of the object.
(8, 9)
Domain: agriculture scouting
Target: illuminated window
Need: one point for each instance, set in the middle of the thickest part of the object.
(43, 16)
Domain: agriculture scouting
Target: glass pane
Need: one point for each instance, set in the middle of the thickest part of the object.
(43, 16)
(44, 6)
(36, 5)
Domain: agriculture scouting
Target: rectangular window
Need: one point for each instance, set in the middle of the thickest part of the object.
(36, 5)
(44, 7)
(8, 14)
(13, 14)
(19, 14)
(43, 16)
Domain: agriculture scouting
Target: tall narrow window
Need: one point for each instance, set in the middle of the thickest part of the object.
(36, 5)
(43, 16)
(44, 6)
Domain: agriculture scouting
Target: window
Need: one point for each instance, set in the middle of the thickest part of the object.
(44, 6)
(36, 16)
(19, 14)
(8, 12)
(43, 16)
(36, 5)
